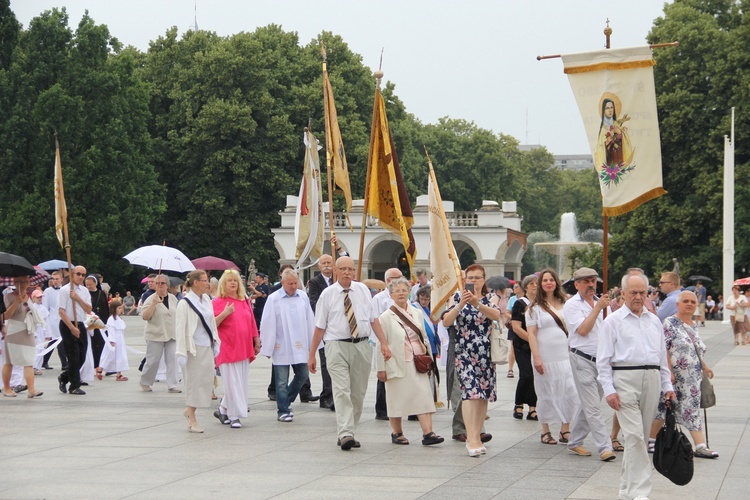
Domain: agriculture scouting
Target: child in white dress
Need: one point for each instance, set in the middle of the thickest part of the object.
(115, 353)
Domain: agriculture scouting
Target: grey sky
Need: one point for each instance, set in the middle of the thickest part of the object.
(474, 60)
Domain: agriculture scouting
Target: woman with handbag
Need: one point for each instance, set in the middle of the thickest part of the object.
(197, 343)
(685, 356)
(473, 315)
(548, 337)
(406, 373)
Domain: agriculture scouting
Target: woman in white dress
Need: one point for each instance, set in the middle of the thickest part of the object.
(115, 353)
(557, 399)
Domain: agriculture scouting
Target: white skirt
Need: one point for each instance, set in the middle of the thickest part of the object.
(409, 395)
(115, 359)
(234, 376)
(199, 377)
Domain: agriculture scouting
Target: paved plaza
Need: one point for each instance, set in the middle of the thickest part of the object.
(120, 442)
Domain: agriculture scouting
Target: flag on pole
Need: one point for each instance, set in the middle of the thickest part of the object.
(614, 89)
(308, 224)
(387, 199)
(444, 264)
(335, 155)
(61, 211)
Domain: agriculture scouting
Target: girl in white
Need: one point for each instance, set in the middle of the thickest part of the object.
(40, 334)
(115, 354)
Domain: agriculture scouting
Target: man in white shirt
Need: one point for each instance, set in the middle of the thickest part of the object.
(632, 362)
(74, 303)
(583, 317)
(286, 330)
(50, 302)
(380, 303)
(342, 320)
(421, 281)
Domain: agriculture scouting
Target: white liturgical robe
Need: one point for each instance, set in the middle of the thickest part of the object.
(287, 328)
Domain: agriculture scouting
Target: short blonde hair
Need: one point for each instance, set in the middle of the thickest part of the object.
(222, 288)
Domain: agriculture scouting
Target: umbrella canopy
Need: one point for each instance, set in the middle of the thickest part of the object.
(698, 277)
(38, 278)
(54, 265)
(15, 265)
(498, 283)
(569, 286)
(160, 257)
(211, 263)
(742, 282)
(175, 281)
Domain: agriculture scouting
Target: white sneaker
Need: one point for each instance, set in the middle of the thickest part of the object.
(235, 424)
(285, 418)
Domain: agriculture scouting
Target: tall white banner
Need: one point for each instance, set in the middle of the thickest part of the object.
(614, 89)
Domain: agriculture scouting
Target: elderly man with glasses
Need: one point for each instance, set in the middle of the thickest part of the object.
(74, 302)
(159, 312)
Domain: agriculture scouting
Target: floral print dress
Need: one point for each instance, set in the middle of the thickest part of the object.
(680, 340)
(474, 369)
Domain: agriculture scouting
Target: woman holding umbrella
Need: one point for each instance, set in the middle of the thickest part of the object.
(20, 348)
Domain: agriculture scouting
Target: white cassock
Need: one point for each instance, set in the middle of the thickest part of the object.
(49, 301)
(40, 333)
(287, 328)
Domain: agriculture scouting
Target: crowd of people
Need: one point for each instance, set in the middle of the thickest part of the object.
(639, 351)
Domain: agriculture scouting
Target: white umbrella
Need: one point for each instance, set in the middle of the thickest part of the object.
(160, 257)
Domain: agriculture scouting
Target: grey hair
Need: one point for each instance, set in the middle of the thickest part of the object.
(395, 283)
(289, 273)
(679, 295)
(624, 282)
(528, 279)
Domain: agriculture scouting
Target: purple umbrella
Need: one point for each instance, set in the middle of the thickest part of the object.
(211, 263)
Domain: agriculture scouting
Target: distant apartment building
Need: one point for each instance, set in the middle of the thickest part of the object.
(565, 162)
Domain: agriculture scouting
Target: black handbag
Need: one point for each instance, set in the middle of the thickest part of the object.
(673, 454)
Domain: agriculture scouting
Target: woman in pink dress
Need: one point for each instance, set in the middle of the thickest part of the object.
(240, 342)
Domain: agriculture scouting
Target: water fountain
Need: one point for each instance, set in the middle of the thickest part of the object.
(567, 240)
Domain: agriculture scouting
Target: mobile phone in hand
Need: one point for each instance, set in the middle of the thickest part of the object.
(470, 287)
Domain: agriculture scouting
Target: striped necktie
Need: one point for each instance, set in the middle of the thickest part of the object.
(349, 311)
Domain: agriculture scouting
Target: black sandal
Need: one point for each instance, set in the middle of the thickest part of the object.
(548, 439)
(431, 438)
(399, 438)
(518, 412)
(562, 437)
(532, 415)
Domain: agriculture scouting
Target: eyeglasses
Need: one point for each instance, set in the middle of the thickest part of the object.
(347, 269)
(633, 293)
(79, 274)
(162, 283)
(474, 278)
(203, 280)
(662, 282)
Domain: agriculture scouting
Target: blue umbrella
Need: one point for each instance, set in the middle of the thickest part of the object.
(54, 265)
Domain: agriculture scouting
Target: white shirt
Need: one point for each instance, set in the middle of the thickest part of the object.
(330, 316)
(287, 327)
(65, 302)
(626, 339)
(576, 310)
(50, 301)
(381, 302)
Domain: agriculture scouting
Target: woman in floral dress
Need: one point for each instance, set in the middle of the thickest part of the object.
(681, 339)
(473, 316)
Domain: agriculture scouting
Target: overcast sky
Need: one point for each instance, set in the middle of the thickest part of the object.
(467, 59)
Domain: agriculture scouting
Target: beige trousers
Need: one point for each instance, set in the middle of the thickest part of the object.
(349, 367)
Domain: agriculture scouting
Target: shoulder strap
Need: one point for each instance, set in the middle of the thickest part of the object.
(409, 322)
(203, 320)
(555, 317)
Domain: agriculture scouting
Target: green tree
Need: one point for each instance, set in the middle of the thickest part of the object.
(82, 86)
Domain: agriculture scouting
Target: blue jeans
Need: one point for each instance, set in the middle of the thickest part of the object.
(286, 393)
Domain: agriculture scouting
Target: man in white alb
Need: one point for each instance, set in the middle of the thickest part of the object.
(342, 320)
(632, 362)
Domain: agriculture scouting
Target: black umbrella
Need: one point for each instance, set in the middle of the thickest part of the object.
(498, 283)
(173, 281)
(570, 288)
(14, 265)
(698, 277)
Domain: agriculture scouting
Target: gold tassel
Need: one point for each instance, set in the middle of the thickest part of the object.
(634, 203)
(610, 66)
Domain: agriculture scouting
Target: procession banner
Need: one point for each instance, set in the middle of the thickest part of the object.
(614, 89)
(387, 199)
(335, 155)
(444, 265)
(61, 211)
(308, 224)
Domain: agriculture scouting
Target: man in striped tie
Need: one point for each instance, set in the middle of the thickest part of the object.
(342, 321)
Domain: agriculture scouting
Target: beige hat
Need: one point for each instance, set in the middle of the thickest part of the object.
(584, 272)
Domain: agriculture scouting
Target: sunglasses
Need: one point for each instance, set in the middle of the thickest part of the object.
(79, 274)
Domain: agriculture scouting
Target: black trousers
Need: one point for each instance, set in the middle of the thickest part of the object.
(525, 393)
(97, 346)
(75, 349)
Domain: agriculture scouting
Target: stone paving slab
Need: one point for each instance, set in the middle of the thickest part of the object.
(120, 442)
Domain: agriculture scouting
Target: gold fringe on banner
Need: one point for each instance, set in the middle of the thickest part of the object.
(610, 66)
(634, 203)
